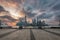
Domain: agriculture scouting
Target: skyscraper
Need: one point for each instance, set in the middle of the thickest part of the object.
(0, 23)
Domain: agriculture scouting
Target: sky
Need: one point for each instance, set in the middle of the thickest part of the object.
(47, 10)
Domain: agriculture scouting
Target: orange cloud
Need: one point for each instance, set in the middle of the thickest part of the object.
(11, 23)
(21, 14)
(9, 4)
(12, 6)
(29, 20)
(4, 13)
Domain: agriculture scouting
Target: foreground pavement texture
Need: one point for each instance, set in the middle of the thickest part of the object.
(29, 34)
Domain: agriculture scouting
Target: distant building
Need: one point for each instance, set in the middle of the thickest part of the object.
(4, 25)
(0, 22)
(34, 22)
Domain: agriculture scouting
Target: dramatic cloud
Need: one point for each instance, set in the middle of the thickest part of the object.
(43, 9)
(6, 17)
(57, 7)
(1, 9)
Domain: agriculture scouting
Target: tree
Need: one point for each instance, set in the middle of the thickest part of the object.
(20, 24)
